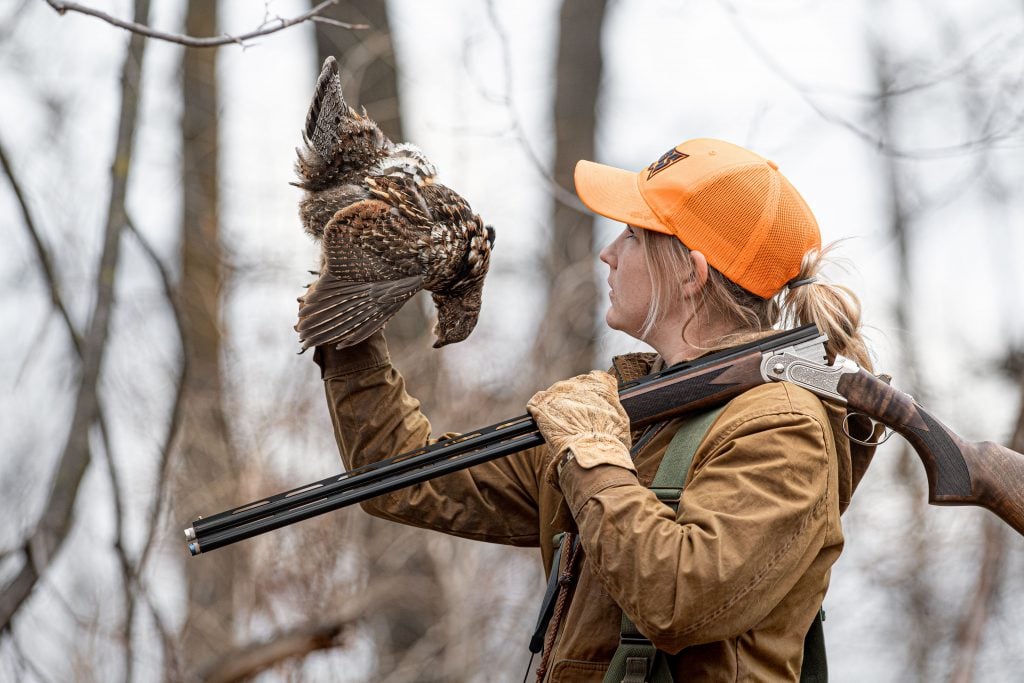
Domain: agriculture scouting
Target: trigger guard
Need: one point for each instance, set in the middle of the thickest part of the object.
(846, 430)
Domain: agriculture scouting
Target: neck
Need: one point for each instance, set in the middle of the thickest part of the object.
(673, 347)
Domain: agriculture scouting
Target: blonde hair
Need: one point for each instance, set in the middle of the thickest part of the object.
(835, 309)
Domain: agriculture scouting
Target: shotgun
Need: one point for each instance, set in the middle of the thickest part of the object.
(959, 472)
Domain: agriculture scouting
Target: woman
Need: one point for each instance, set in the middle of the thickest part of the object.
(718, 248)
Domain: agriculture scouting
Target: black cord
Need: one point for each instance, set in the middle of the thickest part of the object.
(528, 667)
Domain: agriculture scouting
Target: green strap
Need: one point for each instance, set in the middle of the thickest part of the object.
(815, 666)
(636, 660)
(675, 465)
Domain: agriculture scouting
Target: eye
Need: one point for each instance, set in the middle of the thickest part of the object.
(630, 233)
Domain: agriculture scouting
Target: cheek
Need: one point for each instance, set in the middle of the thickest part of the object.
(629, 306)
(636, 283)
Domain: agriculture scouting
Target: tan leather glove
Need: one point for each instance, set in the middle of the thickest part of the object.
(581, 418)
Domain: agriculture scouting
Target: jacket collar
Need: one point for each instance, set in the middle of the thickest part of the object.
(630, 366)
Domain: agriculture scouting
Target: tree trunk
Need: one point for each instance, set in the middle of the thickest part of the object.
(370, 79)
(207, 473)
(566, 341)
(913, 583)
(58, 511)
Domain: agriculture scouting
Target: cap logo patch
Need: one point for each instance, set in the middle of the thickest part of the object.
(664, 161)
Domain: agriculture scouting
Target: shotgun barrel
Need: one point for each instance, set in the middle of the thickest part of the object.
(705, 382)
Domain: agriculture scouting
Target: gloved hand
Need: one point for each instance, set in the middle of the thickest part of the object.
(581, 418)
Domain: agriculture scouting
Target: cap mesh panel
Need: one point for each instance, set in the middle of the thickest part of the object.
(731, 205)
(791, 233)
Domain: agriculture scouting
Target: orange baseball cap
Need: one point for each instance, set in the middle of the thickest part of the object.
(717, 198)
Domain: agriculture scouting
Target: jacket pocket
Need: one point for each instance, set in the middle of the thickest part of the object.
(577, 671)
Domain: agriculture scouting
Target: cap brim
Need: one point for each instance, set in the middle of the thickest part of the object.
(613, 193)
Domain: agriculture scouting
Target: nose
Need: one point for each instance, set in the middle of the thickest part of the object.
(607, 254)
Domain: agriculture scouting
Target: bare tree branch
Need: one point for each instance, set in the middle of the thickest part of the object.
(134, 585)
(562, 195)
(172, 666)
(42, 253)
(52, 528)
(26, 663)
(174, 421)
(9, 23)
(124, 563)
(254, 658)
(50, 276)
(976, 616)
(990, 573)
(879, 142)
(335, 22)
(911, 581)
(566, 343)
(129, 570)
(279, 24)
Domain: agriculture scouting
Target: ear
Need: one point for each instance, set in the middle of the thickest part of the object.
(699, 278)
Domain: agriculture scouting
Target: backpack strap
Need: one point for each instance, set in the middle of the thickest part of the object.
(670, 478)
(636, 660)
(815, 666)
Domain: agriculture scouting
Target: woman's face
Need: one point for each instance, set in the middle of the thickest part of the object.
(630, 282)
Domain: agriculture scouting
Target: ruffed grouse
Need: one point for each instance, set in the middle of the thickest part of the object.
(385, 227)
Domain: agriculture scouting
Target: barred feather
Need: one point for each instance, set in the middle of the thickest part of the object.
(386, 228)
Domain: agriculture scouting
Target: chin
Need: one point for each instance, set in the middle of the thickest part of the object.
(610, 320)
(616, 323)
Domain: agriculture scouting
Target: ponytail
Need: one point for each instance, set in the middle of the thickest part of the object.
(834, 308)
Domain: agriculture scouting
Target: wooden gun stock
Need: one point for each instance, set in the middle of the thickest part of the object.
(959, 472)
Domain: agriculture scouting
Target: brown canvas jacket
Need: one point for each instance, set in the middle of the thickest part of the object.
(727, 585)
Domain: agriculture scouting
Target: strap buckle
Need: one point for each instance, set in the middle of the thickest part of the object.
(630, 639)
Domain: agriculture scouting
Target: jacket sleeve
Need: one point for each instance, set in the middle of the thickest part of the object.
(751, 520)
(375, 418)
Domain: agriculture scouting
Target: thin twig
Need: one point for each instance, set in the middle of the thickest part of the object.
(912, 582)
(278, 24)
(42, 253)
(25, 662)
(983, 601)
(876, 141)
(170, 292)
(9, 24)
(339, 24)
(560, 194)
(171, 664)
(124, 562)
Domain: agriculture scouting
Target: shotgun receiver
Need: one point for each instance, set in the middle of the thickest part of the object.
(959, 472)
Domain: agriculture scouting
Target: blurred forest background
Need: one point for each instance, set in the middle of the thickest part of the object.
(152, 255)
